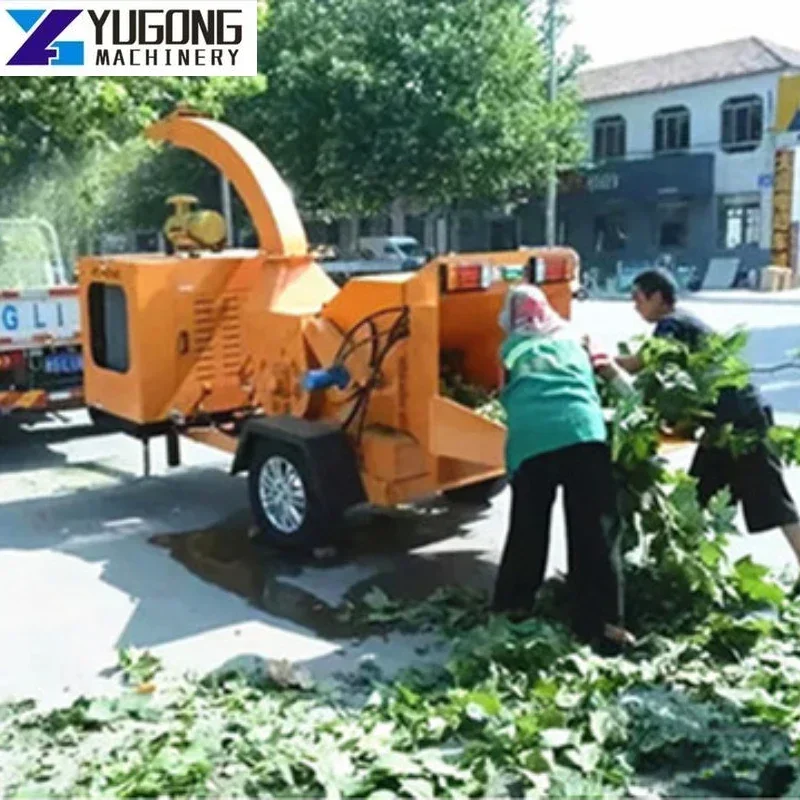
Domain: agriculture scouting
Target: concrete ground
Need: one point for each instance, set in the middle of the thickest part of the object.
(95, 558)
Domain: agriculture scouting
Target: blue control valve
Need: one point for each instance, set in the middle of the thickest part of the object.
(318, 380)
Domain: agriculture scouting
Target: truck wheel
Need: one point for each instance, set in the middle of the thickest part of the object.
(477, 494)
(285, 502)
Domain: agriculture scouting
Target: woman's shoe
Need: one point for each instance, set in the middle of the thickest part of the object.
(614, 642)
(619, 635)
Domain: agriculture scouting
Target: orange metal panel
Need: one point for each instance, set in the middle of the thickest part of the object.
(392, 493)
(389, 455)
(459, 433)
(455, 474)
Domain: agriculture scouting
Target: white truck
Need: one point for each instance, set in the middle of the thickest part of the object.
(377, 254)
(41, 367)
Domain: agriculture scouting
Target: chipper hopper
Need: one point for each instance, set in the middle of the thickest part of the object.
(328, 397)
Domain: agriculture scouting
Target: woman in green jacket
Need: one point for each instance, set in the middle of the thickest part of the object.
(557, 437)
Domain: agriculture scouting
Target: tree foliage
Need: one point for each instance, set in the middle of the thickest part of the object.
(72, 151)
(45, 117)
(427, 100)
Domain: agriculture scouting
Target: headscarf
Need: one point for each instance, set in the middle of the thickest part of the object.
(528, 312)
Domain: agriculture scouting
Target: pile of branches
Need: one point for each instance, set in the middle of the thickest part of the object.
(676, 567)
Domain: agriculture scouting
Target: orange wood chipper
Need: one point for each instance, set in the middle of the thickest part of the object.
(328, 397)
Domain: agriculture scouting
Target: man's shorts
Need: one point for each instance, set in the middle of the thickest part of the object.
(755, 479)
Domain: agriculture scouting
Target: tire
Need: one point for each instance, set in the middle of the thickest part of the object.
(477, 494)
(296, 520)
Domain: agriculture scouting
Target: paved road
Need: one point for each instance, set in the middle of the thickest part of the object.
(95, 558)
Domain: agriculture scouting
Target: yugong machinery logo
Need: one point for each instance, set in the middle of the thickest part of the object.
(146, 38)
(43, 47)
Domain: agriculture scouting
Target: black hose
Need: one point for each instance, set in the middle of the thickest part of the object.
(398, 331)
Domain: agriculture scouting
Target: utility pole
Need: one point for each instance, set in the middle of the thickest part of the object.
(227, 208)
(552, 167)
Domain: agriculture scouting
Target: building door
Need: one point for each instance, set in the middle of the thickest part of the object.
(673, 226)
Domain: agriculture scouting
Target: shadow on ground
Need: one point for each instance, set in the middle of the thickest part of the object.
(134, 523)
(32, 445)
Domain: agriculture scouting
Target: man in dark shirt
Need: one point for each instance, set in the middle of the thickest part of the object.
(755, 478)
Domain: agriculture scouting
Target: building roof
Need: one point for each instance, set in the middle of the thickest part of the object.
(718, 62)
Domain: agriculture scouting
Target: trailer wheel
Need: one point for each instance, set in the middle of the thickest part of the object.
(477, 494)
(284, 499)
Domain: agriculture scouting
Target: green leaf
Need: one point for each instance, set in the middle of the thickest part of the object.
(33, 791)
(418, 788)
(556, 738)
(753, 583)
(398, 764)
(434, 763)
(585, 756)
(376, 599)
(102, 711)
(489, 704)
(710, 553)
(545, 689)
(602, 725)
(567, 700)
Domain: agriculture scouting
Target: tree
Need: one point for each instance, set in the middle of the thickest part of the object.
(45, 117)
(427, 100)
(72, 151)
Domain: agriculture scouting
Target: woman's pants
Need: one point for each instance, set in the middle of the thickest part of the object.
(585, 473)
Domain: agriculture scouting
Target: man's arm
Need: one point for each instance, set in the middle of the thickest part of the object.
(666, 328)
(631, 364)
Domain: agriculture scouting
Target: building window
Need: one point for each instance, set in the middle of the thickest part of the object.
(673, 226)
(609, 138)
(671, 130)
(740, 224)
(609, 233)
(742, 123)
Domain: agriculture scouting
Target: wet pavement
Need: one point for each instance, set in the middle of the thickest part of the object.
(385, 549)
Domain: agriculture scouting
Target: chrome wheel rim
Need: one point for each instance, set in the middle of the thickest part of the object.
(282, 495)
